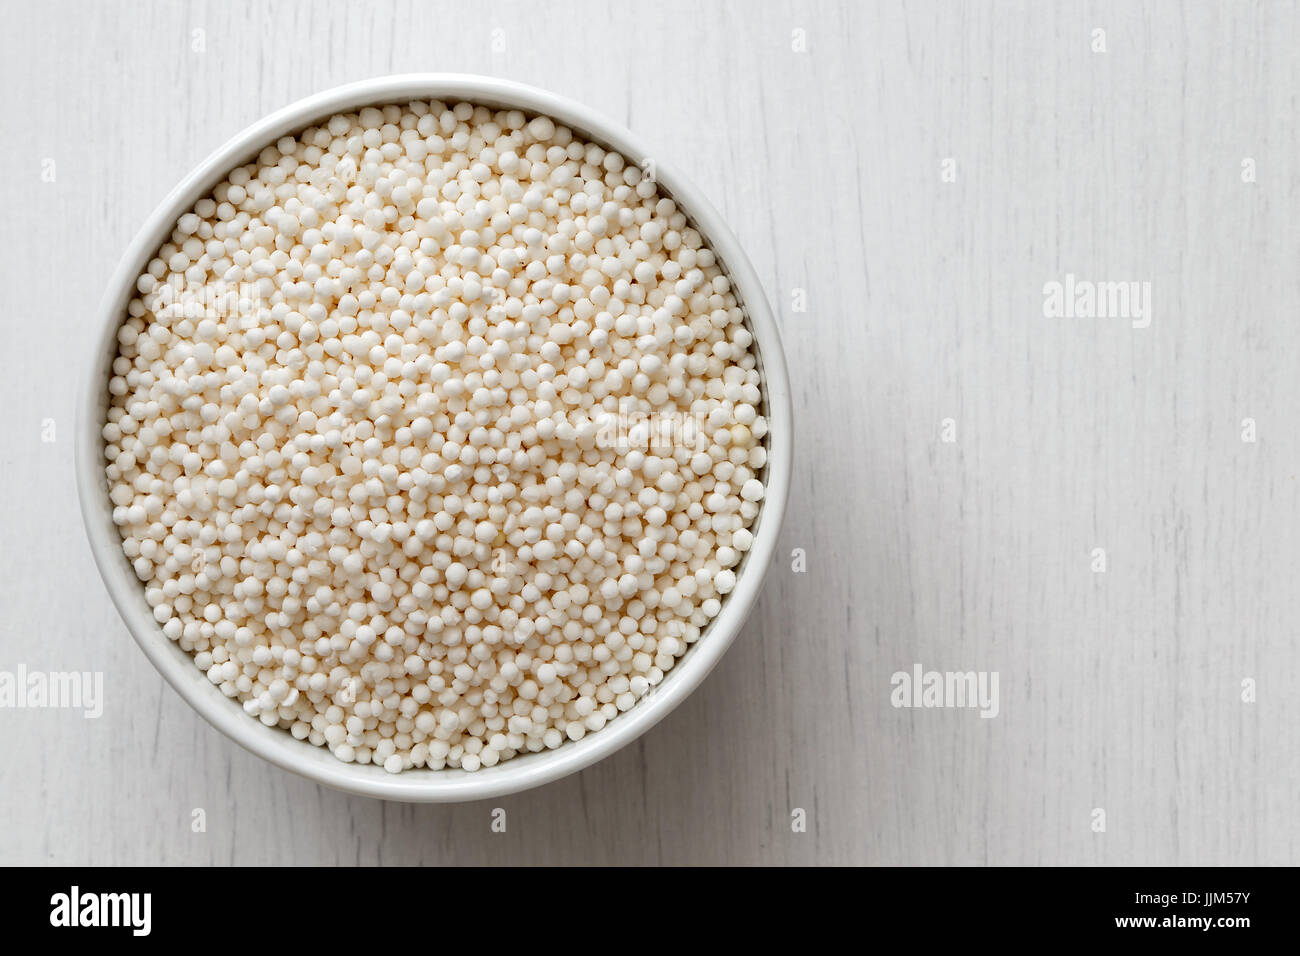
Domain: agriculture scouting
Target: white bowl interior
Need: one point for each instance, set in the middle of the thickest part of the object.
(278, 746)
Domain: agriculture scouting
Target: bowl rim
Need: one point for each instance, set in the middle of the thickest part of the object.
(176, 665)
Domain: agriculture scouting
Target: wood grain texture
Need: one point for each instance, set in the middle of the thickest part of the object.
(1119, 690)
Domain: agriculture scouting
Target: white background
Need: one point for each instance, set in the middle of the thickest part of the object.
(1120, 690)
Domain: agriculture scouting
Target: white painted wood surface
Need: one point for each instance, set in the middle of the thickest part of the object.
(1118, 690)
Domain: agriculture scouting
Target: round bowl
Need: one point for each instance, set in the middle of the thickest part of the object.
(177, 666)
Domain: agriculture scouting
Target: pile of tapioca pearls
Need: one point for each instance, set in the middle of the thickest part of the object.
(369, 444)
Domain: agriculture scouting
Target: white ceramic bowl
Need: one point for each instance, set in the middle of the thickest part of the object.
(317, 763)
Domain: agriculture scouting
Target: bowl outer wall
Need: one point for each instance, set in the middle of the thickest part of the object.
(177, 666)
